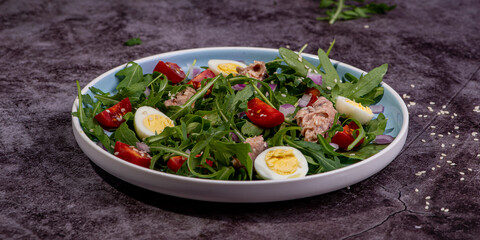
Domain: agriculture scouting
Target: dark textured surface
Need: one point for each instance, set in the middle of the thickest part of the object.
(49, 189)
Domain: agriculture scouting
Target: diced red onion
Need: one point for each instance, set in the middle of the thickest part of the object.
(335, 146)
(383, 139)
(195, 72)
(241, 114)
(188, 151)
(147, 91)
(142, 146)
(238, 87)
(377, 108)
(316, 78)
(304, 100)
(101, 145)
(234, 136)
(287, 109)
(273, 86)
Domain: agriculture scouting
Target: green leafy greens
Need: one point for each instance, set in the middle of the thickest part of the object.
(211, 127)
(339, 10)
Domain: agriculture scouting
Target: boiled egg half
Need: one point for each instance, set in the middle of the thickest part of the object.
(149, 121)
(225, 67)
(354, 110)
(281, 163)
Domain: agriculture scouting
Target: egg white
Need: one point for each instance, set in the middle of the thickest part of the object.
(265, 172)
(140, 115)
(213, 65)
(352, 111)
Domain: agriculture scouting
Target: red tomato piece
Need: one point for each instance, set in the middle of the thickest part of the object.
(173, 72)
(132, 154)
(313, 91)
(345, 138)
(113, 117)
(264, 115)
(208, 161)
(176, 162)
(312, 100)
(315, 94)
(197, 80)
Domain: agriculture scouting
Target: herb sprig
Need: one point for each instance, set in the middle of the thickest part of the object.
(133, 42)
(339, 10)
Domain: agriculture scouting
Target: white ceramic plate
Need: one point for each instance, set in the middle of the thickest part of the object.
(242, 191)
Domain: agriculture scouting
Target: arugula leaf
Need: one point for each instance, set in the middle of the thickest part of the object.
(131, 74)
(316, 152)
(159, 147)
(364, 152)
(89, 125)
(335, 128)
(81, 111)
(226, 151)
(250, 129)
(338, 10)
(203, 147)
(364, 85)
(168, 132)
(283, 98)
(107, 100)
(125, 135)
(277, 139)
(371, 97)
(296, 62)
(225, 173)
(185, 108)
(132, 42)
(100, 135)
(377, 126)
(328, 79)
(212, 116)
(241, 97)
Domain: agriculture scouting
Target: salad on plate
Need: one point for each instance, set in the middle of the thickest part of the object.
(234, 120)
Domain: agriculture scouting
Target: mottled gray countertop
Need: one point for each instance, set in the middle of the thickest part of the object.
(50, 190)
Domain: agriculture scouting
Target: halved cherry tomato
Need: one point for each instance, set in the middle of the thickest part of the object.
(313, 91)
(208, 161)
(132, 154)
(173, 72)
(264, 115)
(345, 138)
(197, 80)
(176, 162)
(113, 117)
(315, 94)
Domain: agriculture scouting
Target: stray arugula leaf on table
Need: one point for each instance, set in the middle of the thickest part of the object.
(338, 10)
(133, 42)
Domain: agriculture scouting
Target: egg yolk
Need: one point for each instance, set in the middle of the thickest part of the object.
(156, 123)
(281, 161)
(228, 68)
(359, 105)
